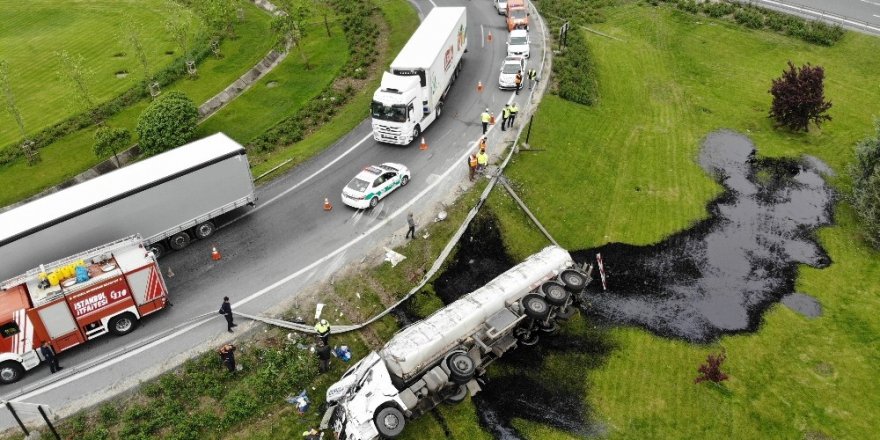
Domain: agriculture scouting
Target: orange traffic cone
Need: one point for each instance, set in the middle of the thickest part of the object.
(423, 145)
(215, 254)
(479, 86)
(489, 37)
(327, 205)
(491, 118)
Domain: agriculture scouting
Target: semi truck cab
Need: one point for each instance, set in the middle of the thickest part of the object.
(397, 109)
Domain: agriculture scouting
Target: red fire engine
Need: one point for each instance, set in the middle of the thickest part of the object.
(104, 290)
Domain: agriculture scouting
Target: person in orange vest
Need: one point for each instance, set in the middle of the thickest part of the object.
(472, 166)
(518, 81)
(483, 143)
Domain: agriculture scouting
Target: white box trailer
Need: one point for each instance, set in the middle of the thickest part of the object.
(168, 199)
(440, 358)
(411, 96)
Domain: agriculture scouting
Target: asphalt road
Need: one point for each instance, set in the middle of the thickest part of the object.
(863, 15)
(288, 242)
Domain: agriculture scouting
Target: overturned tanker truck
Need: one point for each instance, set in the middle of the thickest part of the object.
(440, 358)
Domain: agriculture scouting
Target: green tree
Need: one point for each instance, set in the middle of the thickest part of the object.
(289, 26)
(109, 141)
(132, 34)
(220, 16)
(74, 71)
(865, 173)
(167, 123)
(179, 27)
(12, 108)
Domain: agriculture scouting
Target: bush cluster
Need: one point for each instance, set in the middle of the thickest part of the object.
(168, 75)
(865, 173)
(756, 17)
(362, 35)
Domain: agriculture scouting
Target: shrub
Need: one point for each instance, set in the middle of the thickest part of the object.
(717, 10)
(749, 18)
(799, 97)
(110, 140)
(167, 123)
(865, 172)
(711, 370)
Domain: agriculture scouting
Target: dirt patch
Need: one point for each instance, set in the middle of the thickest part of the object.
(720, 275)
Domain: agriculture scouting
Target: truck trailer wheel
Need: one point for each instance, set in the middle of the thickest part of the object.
(10, 371)
(461, 368)
(526, 337)
(123, 324)
(554, 293)
(204, 230)
(535, 307)
(573, 280)
(389, 422)
(157, 249)
(179, 241)
(458, 396)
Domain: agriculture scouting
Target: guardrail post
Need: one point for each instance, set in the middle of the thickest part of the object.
(48, 423)
(15, 415)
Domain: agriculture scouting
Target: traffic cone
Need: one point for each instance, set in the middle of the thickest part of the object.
(423, 145)
(170, 272)
(327, 205)
(491, 118)
(479, 86)
(489, 37)
(215, 254)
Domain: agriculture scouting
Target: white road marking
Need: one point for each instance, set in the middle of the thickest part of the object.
(878, 16)
(432, 3)
(871, 3)
(482, 37)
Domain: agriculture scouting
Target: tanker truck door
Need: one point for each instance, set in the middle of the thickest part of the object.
(59, 324)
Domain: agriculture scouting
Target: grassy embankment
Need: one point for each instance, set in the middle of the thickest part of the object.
(73, 154)
(673, 80)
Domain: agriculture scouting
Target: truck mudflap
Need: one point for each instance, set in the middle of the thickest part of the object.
(328, 416)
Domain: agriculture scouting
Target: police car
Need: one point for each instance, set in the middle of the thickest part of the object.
(373, 184)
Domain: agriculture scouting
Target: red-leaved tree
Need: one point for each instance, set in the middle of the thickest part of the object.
(799, 97)
(711, 370)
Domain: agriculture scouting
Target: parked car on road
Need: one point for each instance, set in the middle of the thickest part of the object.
(374, 183)
(518, 43)
(501, 6)
(509, 68)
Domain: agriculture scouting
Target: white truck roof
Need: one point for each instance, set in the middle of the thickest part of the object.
(67, 202)
(427, 42)
(424, 342)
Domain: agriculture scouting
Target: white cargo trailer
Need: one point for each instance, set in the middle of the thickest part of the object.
(440, 358)
(411, 96)
(168, 199)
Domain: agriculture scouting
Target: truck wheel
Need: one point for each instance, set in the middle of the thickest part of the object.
(439, 109)
(554, 293)
(179, 240)
(535, 307)
(461, 368)
(374, 201)
(157, 249)
(567, 313)
(458, 396)
(204, 230)
(573, 280)
(551, 328)
(123, 324)
(416, 132)
(389, 422)
(10, 371)
(526, 337)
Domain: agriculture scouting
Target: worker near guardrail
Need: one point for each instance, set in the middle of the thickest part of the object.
(227, 356)
(323, 352)
(505, 115)
(513, 111)
(482, 160)
(226, 311)
(411, 232)
(49, 356)
(472, 166)
(533, 77)
(485, 118)
(323, 330)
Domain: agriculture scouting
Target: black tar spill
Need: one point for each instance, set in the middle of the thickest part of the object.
(720, 275)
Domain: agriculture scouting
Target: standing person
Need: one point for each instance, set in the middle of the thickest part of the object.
(485, 118)
(513, 111)
(505, 113)
(226, 311)
(323, 330)
(483, 143)
(482, 161)
(49, 357)
(472, 166)
(323, 352)
(518, 81)
(533, 77)
(411, 232)
(227, 354)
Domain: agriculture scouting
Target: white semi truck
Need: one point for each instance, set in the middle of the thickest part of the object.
(440, 358)
(169, 199)
(411, 96)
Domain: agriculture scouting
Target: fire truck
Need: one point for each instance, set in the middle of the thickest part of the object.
(107, 289)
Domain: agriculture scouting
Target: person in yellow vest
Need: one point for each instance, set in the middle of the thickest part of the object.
(513, 111)
(505, 115)
(533, 77)
(482, 161)
(485, 118)
(323, 330)
(472, 166)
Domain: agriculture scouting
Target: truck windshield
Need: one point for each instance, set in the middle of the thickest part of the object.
(518, 14)
(393, 113)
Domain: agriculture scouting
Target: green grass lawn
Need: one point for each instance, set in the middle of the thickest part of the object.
(673, 80)
(284, 90)
(32, 31)
(72, 154)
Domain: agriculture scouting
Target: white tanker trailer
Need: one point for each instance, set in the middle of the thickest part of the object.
(440, 358)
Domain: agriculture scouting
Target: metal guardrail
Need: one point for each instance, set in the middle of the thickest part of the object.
(803, 10)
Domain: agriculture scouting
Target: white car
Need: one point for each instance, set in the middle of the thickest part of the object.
(518, 43)
(373, 184)
(509, 68)
(501, 6)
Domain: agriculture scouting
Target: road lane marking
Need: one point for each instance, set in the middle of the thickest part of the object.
(833, 17)
(871, 3)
